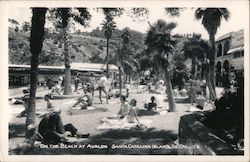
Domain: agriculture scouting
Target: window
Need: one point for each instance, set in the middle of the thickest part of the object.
(219, 50)
(238, 54)
(226, 48)
(242, 53)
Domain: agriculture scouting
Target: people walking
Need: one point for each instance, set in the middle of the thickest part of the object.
(76, 82)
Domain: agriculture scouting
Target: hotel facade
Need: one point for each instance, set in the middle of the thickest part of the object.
(229, 60)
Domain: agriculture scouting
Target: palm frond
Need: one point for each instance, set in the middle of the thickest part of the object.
(82, 17)
(174, 12)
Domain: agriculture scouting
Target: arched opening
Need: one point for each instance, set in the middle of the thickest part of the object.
(218, 74)
(225, 74)
(219, 50)
(226, 47)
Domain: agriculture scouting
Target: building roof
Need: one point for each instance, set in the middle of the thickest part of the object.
(74, 66)
(40, 66)
(230, 34)
(92, 66)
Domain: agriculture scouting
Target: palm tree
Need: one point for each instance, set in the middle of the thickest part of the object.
(196, 49)
(108, 26)
(125, 36)
(36, 44)
(161, 45)
(64, 16)
(211, 20)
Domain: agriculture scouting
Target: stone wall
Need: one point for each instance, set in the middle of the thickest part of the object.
(197, 139)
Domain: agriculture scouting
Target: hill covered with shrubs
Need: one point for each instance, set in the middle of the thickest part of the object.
(83, 47)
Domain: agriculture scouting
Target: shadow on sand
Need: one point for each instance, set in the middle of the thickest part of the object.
(16, 130)
(112, 139)
(147, 113)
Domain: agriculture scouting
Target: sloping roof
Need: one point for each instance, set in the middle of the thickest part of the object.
(40, 66)
(92, 66)
(74, 66)
(230, 34)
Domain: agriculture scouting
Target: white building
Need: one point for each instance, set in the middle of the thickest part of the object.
(229, 56)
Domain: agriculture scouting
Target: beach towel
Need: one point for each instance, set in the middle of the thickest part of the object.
(90, 109)
(122, 124)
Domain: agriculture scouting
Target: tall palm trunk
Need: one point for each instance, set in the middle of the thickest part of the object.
(120, 80)
(36, 43)
(171, 101)
(67, 78)
(107, 58)
(121, 69)
(193, 68)
(212, 67)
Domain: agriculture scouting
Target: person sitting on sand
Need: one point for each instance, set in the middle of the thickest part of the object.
(151, 105)
(110, 94)
(175, 92)
(49, 106)
(49, 103)
(57, 89)
(183, 92)
(124, 108)
(53, 131)
(117, 94)
(126, 114)
(200, 100)
(85, 101)
(25, 100)
(133, 111)
(124, 111)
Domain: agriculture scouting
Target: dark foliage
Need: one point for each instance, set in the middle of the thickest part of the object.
(227, 121)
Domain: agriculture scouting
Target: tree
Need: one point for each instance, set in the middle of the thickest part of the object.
(13, 21)
(36, 44)
(108, 26)
(14, 24)
(180, 71)
(161, 45)
(211, 20)
(26, 26)
(64, 16)
(124, 57)
(196, 49)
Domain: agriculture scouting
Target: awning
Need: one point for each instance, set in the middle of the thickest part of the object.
(238, 67)
(241, 48)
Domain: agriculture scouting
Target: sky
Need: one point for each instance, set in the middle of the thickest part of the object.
(186, 22)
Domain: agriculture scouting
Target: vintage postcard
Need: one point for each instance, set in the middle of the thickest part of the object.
(124, 80)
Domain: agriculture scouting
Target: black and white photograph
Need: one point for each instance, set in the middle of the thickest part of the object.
(158, 79)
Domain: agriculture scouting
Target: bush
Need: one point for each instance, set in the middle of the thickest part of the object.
(227, 120)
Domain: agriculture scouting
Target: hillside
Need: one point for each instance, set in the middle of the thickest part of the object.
(83, 47)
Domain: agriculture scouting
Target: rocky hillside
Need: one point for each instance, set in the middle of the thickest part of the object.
(84, 47)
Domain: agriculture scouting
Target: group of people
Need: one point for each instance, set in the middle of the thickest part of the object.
(128, 112)
(52, 131)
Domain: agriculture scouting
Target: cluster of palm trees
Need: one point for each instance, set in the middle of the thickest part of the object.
(159, 41)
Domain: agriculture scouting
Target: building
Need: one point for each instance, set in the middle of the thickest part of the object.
(20, 74)
(229, 60)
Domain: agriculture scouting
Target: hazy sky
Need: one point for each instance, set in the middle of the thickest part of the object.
(186, 23)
